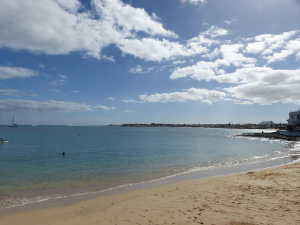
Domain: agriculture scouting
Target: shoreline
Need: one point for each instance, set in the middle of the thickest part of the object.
(108, 201)
(192, 174)
(220, 149)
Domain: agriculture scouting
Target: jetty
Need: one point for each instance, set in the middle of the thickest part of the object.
(270, 135)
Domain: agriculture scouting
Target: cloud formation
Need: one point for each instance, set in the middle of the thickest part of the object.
(265, 85)
(7, 72)
(192, 1)
(275, 48)
(62, 79)
(9, 92)
(29, 106)
(139, 69)
(246, 67)
(192, 94)
(60, 27)
(253, 80)
(101, 107)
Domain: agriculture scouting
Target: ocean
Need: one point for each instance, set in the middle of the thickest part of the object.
(101, 158)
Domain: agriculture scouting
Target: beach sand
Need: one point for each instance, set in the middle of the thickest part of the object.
(267, 196)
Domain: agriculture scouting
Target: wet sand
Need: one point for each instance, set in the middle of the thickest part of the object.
(266, 196)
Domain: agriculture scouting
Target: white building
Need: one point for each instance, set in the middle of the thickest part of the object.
(267, 123)
(294, 118)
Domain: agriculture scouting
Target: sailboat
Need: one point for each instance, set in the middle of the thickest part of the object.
(13, 123)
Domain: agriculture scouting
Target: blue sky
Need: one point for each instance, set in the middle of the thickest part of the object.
(105, 62)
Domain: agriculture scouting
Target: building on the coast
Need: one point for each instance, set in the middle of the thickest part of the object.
(294, 118)
(293, 126)
(267, 124)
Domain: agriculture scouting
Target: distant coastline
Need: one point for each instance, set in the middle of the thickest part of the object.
(229, 125)
(279, 126)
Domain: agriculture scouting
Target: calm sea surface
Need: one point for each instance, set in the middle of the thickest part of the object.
(32, 167)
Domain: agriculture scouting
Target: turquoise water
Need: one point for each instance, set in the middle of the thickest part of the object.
(32, 167)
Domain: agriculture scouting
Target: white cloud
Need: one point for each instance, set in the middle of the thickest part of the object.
(63, 76)
(101, 107)
(130, 19)
(54, 90)
(130, 101)
(7, 72)
(213, 33)
(193, 1)
(64, 26)
(28, 106)
(267, 52)
(272, 48)
(275, 41)
(129, 111)
(213, 54)
(158, 50)
(294, 46)
(150, 49)
(250, 79)
(232, 53)
(42, 26)
(179, 62)
(265, 85)
(208, 70)
(268, 43)
(62, 79)
(230, 21)
(59, 27)
(9, 92)
(69, 5)
(291, 47)
(207, 38)
(16, 93)
(231, 56)
(201, 71)
(109, 58)
(191, 94)
(139, 69)
(255, 47)
(279, 56)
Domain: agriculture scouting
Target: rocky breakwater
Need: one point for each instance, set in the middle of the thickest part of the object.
(270, 135)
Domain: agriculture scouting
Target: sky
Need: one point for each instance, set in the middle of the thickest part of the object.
(101, 62)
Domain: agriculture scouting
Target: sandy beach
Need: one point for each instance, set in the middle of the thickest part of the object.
(267, 196)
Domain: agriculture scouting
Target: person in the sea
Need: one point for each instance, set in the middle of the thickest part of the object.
(63, 153)
(2, 140)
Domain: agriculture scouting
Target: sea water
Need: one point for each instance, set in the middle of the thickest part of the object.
(99, 158)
